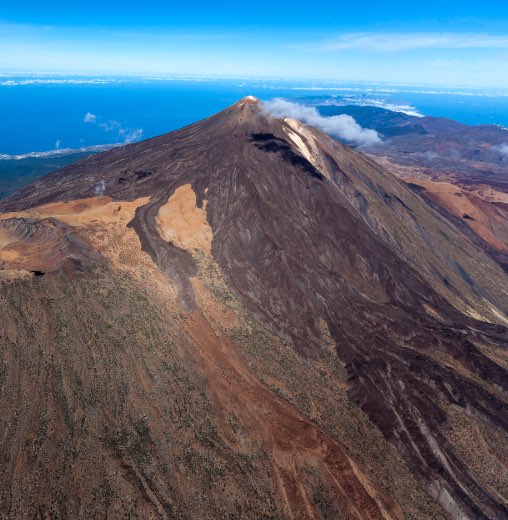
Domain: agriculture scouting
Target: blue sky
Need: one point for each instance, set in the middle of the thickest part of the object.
(433, 42)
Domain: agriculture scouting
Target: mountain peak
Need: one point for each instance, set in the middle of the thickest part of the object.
(250, 103)
(250, 99)
(183, 269)
(247, 101)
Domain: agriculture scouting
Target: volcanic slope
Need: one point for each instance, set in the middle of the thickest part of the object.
(246, 319)
(459, 169)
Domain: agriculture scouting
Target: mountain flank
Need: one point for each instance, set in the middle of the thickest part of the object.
(246, 319)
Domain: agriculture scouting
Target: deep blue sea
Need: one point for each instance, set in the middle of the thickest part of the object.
(41, 113)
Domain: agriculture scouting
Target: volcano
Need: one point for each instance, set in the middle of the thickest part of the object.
(245, 318)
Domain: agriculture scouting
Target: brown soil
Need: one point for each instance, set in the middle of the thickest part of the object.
(182, 223)
(488, 221)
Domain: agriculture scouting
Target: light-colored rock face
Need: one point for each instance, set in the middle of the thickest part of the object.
(297, 139)
(306, 144)
(182, 223)
(83, 212)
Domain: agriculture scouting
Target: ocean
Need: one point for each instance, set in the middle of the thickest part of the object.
(44, 113)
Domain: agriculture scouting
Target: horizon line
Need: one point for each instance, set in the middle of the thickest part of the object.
(156, 76)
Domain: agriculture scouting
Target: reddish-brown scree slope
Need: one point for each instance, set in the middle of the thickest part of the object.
(245, 317)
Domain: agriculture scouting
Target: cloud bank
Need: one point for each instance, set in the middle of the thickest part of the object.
(126, 134)
(381, 103)
(394, 42)
(342, 126)
(23, 82)
(396, 90)
(371, 102)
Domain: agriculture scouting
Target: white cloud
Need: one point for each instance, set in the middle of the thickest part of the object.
(342, 126)
(503, 148)
(372, 102)
(110, 126)
(131, 134)
(57, 144)
(393, 42)
(384, 90)
(429, 155)
(89, 118)
(23, 82)
(100, 188)
(126, 134)
(404, 109)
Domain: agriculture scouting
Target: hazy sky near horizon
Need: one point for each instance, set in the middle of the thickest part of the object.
(438, 42)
